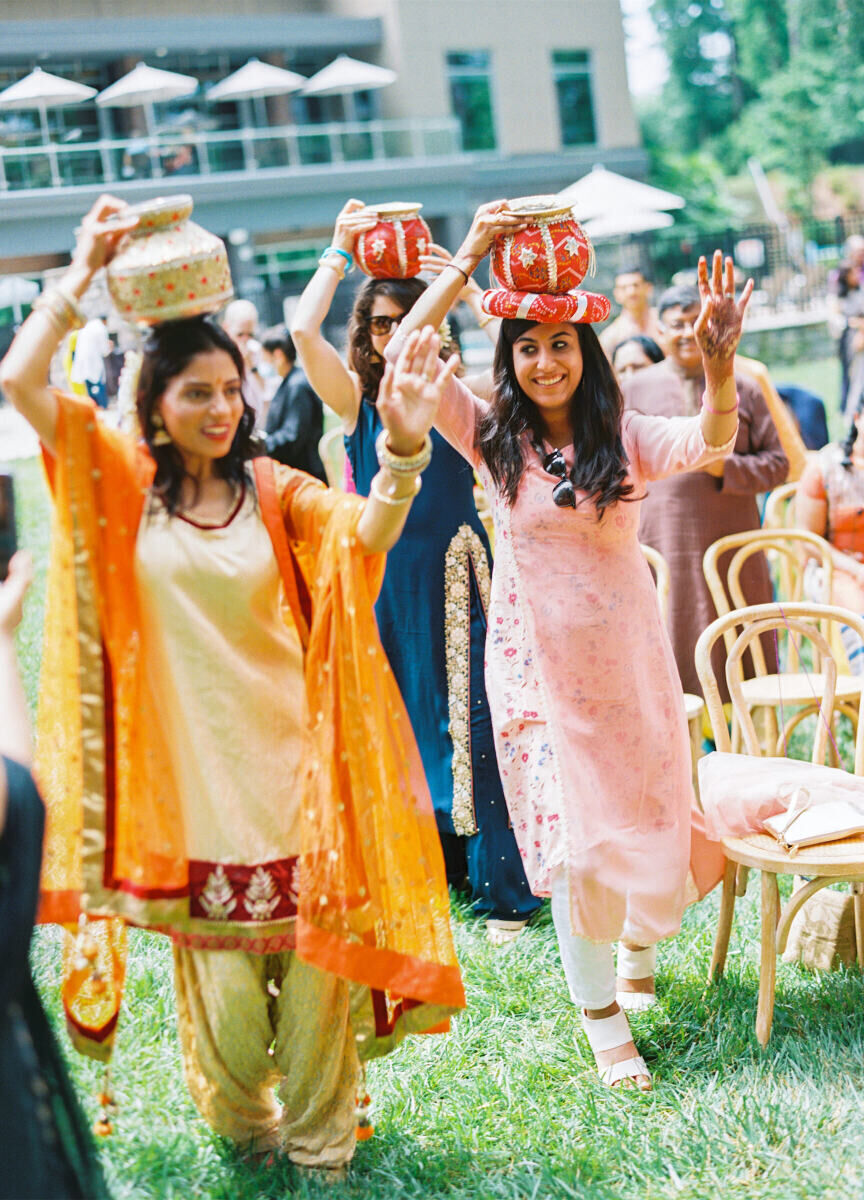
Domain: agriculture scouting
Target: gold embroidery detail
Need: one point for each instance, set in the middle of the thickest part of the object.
(261, 898)
(217, 899)
(457, 637)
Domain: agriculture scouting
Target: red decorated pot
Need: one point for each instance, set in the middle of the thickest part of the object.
(392, 249)
(552, 255)
(168, 267)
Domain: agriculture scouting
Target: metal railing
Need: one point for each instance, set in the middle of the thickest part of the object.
(192, 153)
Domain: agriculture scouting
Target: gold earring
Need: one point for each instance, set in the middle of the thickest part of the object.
(161, 437)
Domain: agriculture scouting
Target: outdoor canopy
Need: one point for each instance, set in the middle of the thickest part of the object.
(345, 75)
(256, 79)
(143, 87)
(41, 90)
(601, 192)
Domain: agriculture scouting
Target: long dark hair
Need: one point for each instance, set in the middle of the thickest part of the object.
(168, 350)
(361, 354)
(596, 407)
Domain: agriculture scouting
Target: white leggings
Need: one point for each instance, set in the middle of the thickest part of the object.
(589, 967)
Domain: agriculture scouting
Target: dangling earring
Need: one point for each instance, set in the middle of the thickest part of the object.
(161, 437)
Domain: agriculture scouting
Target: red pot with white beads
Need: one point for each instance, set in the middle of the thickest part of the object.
(553, 255)
(392, 249)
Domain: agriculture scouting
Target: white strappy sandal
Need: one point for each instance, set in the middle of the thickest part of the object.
(607, 1033)
(636, 964)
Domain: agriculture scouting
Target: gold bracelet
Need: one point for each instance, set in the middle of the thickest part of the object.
(76, 312)
(66, 314)
(60, 326)
(399, 464)
(393, 501)
(335, 263)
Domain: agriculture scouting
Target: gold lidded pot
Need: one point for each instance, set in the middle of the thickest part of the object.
(168, 267)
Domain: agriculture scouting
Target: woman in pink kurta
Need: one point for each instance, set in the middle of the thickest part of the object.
(590, 732)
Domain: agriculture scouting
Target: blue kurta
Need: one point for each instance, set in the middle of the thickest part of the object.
(432, 620)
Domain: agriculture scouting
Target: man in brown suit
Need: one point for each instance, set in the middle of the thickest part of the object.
(683, 515)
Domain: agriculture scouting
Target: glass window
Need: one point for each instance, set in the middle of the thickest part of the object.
(571, 70)
(470, 76)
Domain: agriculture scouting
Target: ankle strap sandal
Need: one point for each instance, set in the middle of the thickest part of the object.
(608, 1033)
(636, 964)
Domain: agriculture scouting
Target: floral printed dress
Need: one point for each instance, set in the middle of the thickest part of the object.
(589, 725)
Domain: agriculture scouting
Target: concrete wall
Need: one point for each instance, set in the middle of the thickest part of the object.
(521, 37)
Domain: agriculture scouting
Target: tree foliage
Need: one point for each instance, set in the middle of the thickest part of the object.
(781, 80)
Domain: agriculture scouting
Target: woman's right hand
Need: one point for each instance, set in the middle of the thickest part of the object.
(99, 236)
(354, 219)
(490, 222)
(13, 591)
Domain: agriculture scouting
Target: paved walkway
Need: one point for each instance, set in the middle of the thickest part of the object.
(17, 439)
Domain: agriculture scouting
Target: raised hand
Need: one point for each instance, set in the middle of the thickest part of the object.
(354, 219)
(101, 232)
(434, 261)
(490, 221)
(412, 389)
(718, 327)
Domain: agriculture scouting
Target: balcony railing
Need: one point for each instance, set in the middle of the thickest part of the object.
(192, 153)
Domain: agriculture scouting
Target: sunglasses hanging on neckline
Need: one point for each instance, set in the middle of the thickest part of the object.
(563, 493)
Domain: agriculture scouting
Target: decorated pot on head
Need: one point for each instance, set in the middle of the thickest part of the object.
(552, 255)
(539, 268)
(168, 267)
(392, 249)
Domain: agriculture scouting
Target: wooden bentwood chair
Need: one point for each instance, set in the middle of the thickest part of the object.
(767, 691)
(829, 863)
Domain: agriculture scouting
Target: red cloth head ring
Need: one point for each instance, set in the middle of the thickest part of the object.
(576, 307)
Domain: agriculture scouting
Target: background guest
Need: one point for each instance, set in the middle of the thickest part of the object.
(240, 322)
(635, 354)
(633, 291)
(295, 417)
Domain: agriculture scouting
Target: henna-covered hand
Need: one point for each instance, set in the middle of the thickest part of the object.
(718, 328)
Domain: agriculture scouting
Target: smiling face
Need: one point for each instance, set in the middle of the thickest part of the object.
(679, 340)
(547, 362)
(202, 406)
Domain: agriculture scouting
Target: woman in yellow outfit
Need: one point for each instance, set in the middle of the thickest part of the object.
(223, 751)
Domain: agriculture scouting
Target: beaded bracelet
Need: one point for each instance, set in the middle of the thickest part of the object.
(399, 464)
(393, 501)
(349, 258)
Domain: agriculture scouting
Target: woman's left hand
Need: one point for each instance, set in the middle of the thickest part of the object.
(412, 389)
(718, 327)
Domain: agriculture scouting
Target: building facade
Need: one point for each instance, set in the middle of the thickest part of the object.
(492, 98)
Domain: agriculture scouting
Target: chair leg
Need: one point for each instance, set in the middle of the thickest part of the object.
(768, 962)
(724, 922)
(741, 878)
(858, 909)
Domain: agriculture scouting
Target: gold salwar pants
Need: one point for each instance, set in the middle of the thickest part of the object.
(229, 1020)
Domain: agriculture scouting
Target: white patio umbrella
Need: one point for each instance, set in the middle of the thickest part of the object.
(626, 221)
(40, 90)
(255, 79)
(16, 291)
(345, 76)
(601, 191)
(143, 87)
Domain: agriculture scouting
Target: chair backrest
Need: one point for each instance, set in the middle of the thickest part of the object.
(331, 447)
(791, 546)
(662, 577)
(780, 507)
(801, 620)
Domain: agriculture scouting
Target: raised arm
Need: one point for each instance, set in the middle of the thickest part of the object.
(338, 387)
(408, 402)
(718, 332)
(24, 370)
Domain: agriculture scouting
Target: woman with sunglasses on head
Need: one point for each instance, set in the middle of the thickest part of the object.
(220, 762)
(431, 611)
(586, 703)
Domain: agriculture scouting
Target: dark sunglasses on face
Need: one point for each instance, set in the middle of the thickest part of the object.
(381, 326)
(563, 493)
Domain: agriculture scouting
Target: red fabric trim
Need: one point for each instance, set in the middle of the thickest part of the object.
(149, 893)
(281, 872)
(386, 970)
(92, 1033)
(59, 908)
(224, 524)
(108, 877)
(296, 591)
(280, 943)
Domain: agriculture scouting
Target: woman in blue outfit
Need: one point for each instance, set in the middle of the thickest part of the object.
(432, 608)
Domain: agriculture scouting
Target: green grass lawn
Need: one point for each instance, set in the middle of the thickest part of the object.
(508, 1104)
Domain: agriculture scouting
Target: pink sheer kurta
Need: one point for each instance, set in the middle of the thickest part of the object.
(586, 704)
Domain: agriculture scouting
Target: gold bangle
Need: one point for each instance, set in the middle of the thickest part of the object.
(393, 501)
(398, 464)
(75, 310)
(65, 311)
(60, 326)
